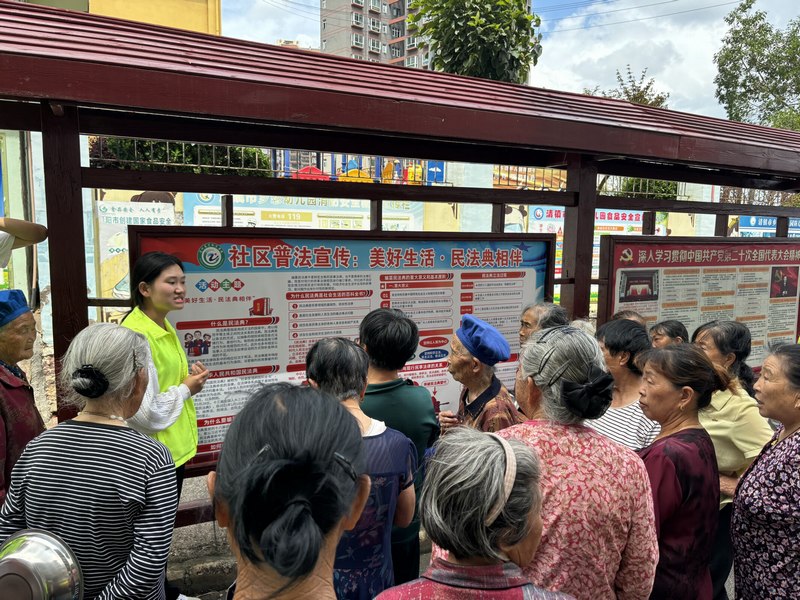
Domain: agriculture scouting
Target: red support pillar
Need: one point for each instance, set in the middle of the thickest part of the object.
(579, 236)
(62, 184)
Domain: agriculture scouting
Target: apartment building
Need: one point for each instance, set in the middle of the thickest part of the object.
(374, 30)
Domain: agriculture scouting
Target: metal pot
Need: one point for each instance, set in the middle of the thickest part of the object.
(38, 565)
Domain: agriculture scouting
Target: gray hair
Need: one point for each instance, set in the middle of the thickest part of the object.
(584, 325)
(548, 314)
(465, 481)
(339, 367)
(554, 355)
(115, 351)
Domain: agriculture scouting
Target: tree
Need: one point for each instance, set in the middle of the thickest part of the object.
(633, 90)
(493, 39)
(758, 73)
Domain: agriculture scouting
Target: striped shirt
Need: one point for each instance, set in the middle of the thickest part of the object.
(626, 425)
(109, 492)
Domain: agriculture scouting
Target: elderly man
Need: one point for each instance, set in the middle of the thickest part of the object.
(20, 420)
(542, 315)
(485, 403)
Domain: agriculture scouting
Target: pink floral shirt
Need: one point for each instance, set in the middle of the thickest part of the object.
(599, 538)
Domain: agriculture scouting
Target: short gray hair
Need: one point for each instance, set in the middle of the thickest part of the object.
(554, 355)
(339, 367)
(465, 481)
(115, 351)
(548, 314)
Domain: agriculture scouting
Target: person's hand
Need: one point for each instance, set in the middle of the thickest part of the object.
(447, 420)
(196, 378)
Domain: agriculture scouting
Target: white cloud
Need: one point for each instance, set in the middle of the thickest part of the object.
(676, 49)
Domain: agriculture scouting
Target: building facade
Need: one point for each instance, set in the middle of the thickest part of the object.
(374, 30)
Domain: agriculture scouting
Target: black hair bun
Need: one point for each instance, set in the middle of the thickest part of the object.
(89, 381)
(591, 399)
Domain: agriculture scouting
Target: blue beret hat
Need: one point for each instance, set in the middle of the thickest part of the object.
(483, 341)
(12, 305)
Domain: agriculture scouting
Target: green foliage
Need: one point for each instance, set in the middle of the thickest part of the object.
(493, 39)
(758, 71)
(637, 91)
(649, 188)
(177, 157)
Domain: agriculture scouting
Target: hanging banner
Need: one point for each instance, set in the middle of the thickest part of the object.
(695, 281)
(257, 300)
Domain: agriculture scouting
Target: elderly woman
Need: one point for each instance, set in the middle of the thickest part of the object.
(621, 341)
(735, 427)
(364, 565)
(288, 483)
(481, 505)
(668, 332)
(599, 538)
(107, 490)
(677, 382)
(766, 508)
(20, 420)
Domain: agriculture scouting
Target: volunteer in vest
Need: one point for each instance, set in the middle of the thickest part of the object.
(158, 285)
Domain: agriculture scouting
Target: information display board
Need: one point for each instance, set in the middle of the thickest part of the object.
(257, 300)
(695, 280)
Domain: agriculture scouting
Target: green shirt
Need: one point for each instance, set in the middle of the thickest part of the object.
(408, 408)
(172, 367)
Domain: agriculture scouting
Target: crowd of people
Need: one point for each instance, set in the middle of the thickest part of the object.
(626, 464)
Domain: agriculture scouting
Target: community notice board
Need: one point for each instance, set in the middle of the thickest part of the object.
(258, 299)
(754, 281)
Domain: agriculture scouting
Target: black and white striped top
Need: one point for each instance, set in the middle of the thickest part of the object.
(109, 492)
(627, 426)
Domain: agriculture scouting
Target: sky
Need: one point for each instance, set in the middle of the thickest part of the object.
(584, 41)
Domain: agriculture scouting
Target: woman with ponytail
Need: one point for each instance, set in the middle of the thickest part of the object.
(105, 489)
(678, 381)
(289, 481)
(736, 428)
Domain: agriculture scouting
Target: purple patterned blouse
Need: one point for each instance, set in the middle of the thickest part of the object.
(766, 523)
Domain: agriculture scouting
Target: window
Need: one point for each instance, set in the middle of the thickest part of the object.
(375, 25)
(396, 32)
(396, 52)
(426, 60)
(375, 5)
(357, 40)
(385, 48)
(411, 61)
(358, 2)
(324, 4)
(375, 60)
(358, 20)
(384, 8)
(385, 29)
(357, 56)
(324, 24)
(324, 44)
(374, 45)
(411, 42)
(409, 3)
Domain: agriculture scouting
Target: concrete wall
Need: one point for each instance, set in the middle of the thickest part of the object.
(203, 16)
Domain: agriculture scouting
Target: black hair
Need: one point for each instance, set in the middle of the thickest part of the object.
(790, 357)
(670, 328)
(389, 337)
(624, 335)
(339, 367)
(288, 474)
(687, 365)
(147, 269)
(731, 337)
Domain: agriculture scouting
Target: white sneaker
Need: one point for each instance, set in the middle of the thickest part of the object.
(183, 597)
